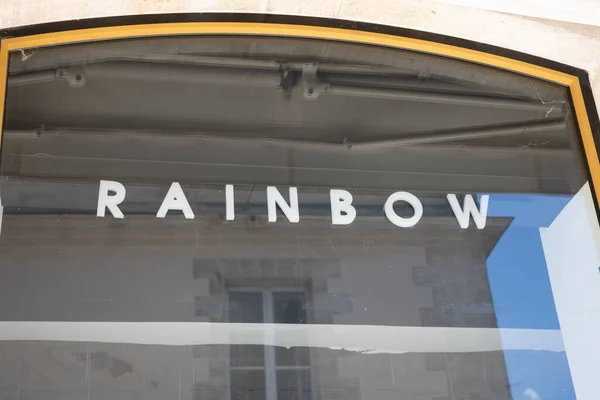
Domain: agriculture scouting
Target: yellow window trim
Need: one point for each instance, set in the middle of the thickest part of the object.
(304, 31)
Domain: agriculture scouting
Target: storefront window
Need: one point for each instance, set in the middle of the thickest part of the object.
(272, 218)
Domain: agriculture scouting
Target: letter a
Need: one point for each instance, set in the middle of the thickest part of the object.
(175, 200)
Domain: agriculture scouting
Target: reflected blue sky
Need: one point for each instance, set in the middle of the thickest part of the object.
(522, 294)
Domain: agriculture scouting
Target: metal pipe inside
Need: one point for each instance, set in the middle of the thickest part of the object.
(442, 98)
(466, 134)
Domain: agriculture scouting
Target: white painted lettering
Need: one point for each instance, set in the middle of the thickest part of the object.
(229, 203)
(274, 199)
(342, 210)
(398, 220)
(469, 208)
(175, 200)
(106, 200)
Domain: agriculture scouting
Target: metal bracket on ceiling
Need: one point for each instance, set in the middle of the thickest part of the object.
(75, 77)
(312, 88)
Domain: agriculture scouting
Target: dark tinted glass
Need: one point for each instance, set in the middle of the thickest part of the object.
(188, 288)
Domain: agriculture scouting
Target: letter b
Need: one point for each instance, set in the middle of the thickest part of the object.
(342, 210)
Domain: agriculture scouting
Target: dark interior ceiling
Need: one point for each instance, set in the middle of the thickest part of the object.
(250, 110)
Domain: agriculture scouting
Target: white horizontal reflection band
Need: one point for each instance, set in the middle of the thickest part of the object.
(360, 338)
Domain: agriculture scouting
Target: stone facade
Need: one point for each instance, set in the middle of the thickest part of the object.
(351, 277)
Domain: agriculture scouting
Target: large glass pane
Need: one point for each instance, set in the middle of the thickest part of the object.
(246, 307)
(276, 218)
(297, 356)
(293, 385)
(289, 308)
(247, 356)
(248, 385)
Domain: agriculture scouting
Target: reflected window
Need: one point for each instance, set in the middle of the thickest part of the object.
(268, 372)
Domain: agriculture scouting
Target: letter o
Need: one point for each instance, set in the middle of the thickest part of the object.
(395, 218)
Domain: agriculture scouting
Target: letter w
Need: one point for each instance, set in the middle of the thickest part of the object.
(469, 208)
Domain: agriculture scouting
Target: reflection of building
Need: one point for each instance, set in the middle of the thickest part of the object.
(242, 110)
(78, 268)
(65, 371)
